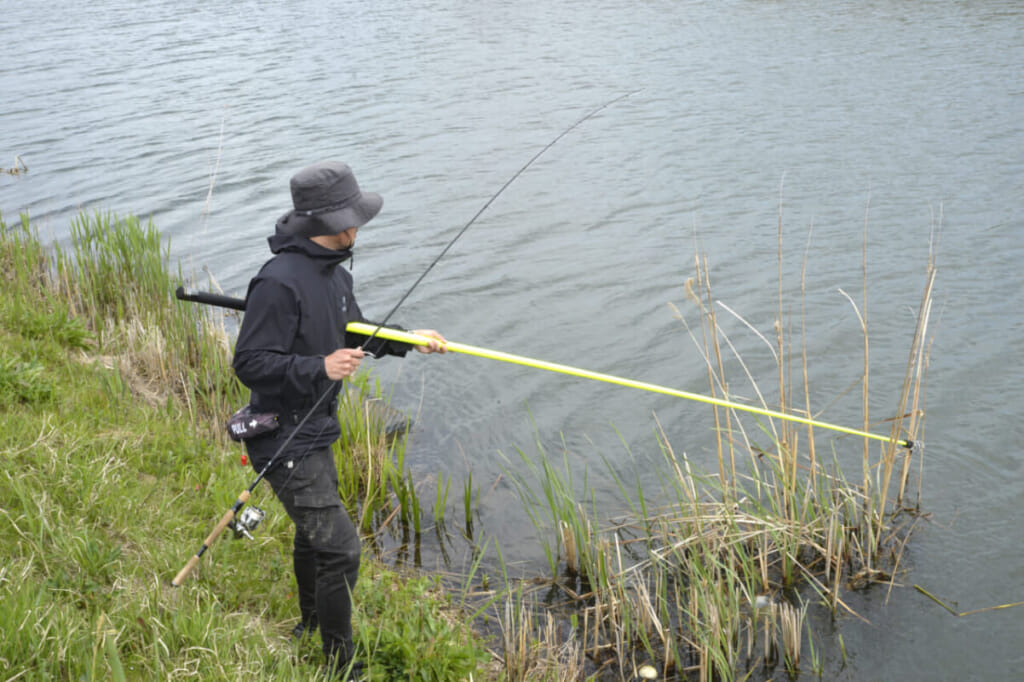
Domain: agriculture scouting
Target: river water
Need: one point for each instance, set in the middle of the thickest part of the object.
(888, 128)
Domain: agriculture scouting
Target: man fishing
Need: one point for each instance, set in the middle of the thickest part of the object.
(293, 354)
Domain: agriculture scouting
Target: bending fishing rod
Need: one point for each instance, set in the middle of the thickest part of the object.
(490, 201)
(239, 303)
(229, 518)
(418, 340)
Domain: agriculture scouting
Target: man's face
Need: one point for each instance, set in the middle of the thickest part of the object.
(348, 237)
(340, 241)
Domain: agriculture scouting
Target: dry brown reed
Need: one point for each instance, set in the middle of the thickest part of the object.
(727, 565)
(536, 646)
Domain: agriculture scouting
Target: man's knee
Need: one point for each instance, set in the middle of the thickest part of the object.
(328, 527)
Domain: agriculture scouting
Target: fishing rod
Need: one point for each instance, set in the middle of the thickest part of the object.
(418, 340)
(243, 524)
(247, 522)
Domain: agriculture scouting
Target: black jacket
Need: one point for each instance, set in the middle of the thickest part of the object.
(296, 311)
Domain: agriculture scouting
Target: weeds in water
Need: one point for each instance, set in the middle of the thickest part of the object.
(371, 464)
(369, 456)
(708, 582)
(536, 645)
(470, 500)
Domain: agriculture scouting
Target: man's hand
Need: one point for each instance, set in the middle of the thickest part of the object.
(437, 342)
(343, 363)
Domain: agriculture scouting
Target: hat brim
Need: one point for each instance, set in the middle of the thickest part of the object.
(332, 222)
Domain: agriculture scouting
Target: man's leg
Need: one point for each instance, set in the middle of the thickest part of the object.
(304, 563)
(308, 489)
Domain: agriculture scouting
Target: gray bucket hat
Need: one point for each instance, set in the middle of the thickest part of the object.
(326, 199)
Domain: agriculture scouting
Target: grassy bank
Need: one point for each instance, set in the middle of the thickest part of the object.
(115, 467)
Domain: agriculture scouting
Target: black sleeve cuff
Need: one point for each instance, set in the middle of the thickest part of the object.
(378, 346)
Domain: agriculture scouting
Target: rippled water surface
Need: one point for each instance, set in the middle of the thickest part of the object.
(903, 122)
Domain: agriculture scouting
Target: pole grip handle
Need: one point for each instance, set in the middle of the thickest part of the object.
(228, 517)
(183, 573)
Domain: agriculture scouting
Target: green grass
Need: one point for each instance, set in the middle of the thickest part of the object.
(114, 467)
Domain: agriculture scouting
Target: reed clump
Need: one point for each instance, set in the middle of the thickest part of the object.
(111, 288)
(535, 646)
(715, 582)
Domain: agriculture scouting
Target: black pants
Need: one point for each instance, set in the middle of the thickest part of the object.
(326, 551)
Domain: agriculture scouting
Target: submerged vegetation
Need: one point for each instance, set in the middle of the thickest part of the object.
(115, 465)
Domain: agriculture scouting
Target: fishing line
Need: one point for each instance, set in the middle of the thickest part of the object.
(239, 304)
(490, 201)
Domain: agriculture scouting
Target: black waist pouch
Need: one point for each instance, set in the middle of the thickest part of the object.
(247, 424)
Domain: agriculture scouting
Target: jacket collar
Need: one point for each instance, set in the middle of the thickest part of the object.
(286, 243)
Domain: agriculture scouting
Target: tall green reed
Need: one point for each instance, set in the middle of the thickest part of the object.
(113, 282)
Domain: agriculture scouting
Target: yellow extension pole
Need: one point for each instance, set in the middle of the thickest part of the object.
(417, 340)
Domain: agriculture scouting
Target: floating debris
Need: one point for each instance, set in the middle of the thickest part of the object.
(19, 167)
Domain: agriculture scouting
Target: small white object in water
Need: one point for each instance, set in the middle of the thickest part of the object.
(648, 672)
(762, 600)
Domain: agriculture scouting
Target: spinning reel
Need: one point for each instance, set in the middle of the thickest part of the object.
(247, 521)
